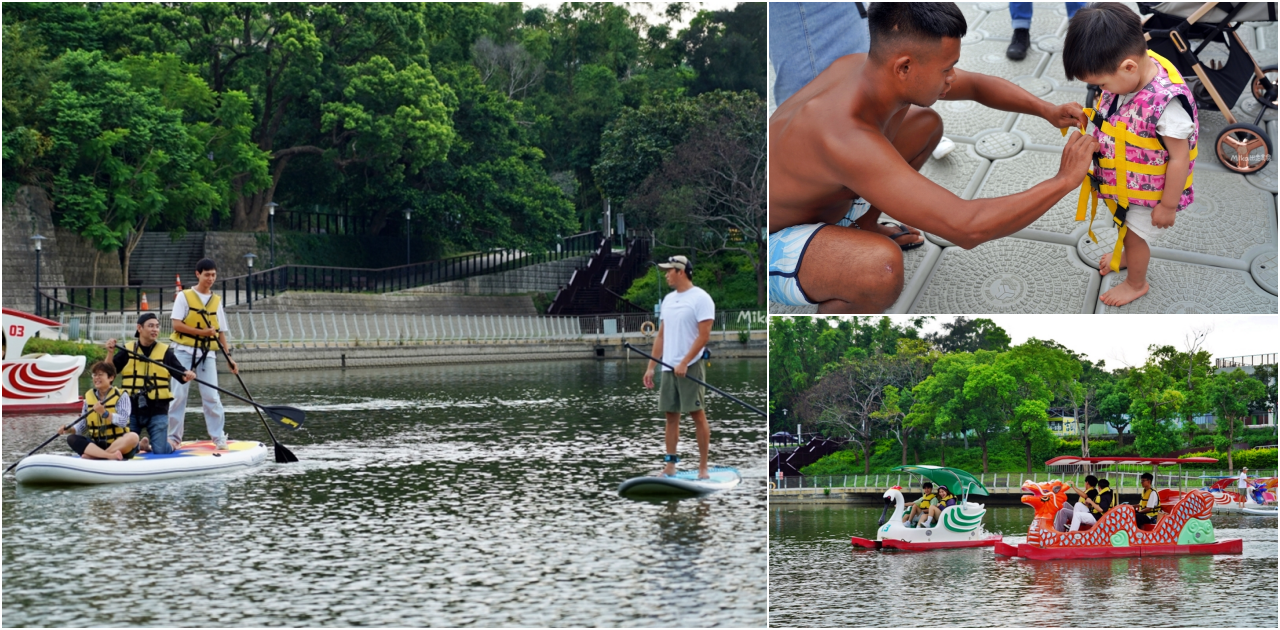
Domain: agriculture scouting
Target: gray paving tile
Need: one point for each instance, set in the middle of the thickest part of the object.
(958, 171)
(1267, 35)
(964, 119)
(1178, 287)
(987, 57)
(1021, 172)
(1263, 270)
(1212, 122)
(1038, 130)
(1010, 275)
(1045, 20)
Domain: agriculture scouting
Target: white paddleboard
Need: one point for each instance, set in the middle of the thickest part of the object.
(683, 483)
(192, 458)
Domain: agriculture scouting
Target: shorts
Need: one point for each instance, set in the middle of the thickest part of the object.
(79, 443)
(682, 395)
(1138, 219)
(786, 249)
(805, 37)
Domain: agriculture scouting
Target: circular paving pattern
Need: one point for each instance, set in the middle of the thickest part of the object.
(1178, 287)
(1049, 44)
(972, 37)
(999, 145)
(1036, 86)
(1090, 252)
(1263, 270)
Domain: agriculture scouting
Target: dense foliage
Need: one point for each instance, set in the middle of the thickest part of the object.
(496, 126)
(964, 397)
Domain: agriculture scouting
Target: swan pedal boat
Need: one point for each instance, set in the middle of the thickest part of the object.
(958, 526)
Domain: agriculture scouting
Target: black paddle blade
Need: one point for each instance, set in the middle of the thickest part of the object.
(289, 417)
(284, 455)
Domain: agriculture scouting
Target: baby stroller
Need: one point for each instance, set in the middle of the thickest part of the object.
(1173, 28)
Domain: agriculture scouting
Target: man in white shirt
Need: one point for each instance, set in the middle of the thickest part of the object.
(198, 318)
(1242, 484)
(684, 326)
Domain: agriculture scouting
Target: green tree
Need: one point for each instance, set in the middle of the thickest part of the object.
(1114, 403)
(1231, 394)
(970, 335)
(1155, 403)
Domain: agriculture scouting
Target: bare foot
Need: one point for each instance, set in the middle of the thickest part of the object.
(702, 473)
(890, 230)
(144, 446)
(1124, 293)
(1104, 265)
(115, 455)
(668, 470)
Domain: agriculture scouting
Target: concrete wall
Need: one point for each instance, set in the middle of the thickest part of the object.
(28, 213)
(228, 250)
(543, 278)
(397, 303)
(271, 359)
(77, 255)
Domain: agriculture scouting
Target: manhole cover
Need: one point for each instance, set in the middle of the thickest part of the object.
(1005, 289)
(999, 145)
(1049, 44)
(1036, 86)
(1264, 271)
(994, 58)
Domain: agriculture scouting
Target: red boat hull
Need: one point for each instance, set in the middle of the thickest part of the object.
(67, 407)
(910, 546)
(1233, 545)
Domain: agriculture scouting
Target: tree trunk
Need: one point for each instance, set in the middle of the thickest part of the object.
(904, 450)
(1027, 446)
(97, 253)
(984, 454)
(866, 459)
(965, 434)
(130, 244)
(762, 276)
(916, 453)
(1084, 437)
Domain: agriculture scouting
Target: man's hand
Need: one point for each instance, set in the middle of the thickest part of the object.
(187, 376)
(1076, 156)
(208, 332)
(1068, 115)
(99, 409)
(235, 369)
(111, 346)
(648, 378)
(682, 368)
(1163, 216)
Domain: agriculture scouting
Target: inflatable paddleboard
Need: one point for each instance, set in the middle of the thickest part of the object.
(683, 483)
(192, 458)
(1259, 510)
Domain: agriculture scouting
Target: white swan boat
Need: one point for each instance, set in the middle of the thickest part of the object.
(959, 525)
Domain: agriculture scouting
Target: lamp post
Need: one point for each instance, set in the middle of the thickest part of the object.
(407, 214)
(37, 239)
(248, 280)
(271, 222)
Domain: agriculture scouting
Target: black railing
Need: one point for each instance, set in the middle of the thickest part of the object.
(323, 223)
(270, 282)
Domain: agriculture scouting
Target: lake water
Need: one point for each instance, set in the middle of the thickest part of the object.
(437, 495)
(816, 579)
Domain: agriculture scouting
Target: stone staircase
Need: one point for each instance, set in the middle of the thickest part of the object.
(158, 258)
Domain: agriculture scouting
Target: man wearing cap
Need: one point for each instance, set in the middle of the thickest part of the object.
(197, 329)
(684, 326)
(148, 384)
(1242, 484)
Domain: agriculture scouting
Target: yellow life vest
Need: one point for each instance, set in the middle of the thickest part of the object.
(1098, 500)
(1090, 188)
(927, 500)
(100, 427)
(196, 313)
(140, 376)
(1146, 496)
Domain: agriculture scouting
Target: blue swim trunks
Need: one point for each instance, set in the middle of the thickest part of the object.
(786, 250)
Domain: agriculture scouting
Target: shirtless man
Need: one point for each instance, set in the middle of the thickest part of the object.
(860, 131)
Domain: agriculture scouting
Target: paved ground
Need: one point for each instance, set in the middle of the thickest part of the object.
(1220, 256)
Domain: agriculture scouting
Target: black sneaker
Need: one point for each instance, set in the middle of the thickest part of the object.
(1017, 49)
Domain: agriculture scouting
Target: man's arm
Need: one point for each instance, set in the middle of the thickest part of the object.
(695, 350)
(1006, 96)
(872, 167)
(655, 351)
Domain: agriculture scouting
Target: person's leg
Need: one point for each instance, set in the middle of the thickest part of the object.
(158, 432)
(805, 37)
(1020, 14)
(122, 446)
(178, 406)
(673, 439)
(1137, 255)
(704, 441)
(1061, 519)
(915, 133)
(1072, 7)
(214, 417)
(847, 270)
(1020, 39)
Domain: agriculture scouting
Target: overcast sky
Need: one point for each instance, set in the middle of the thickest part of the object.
(1122, 340)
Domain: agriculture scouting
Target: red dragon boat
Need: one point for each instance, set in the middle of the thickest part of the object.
(1184, 527)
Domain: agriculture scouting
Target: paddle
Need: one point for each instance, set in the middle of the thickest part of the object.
(55, 435)
(288, 416)
(702, 383)
(283, 455)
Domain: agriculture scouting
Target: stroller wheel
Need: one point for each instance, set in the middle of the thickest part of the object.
(1266, 94)
(1243, 148)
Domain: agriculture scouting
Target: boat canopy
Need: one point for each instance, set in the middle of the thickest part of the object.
(957, 481)
(1070, 460)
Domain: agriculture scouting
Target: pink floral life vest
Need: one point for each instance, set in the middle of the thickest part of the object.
(1140, 116)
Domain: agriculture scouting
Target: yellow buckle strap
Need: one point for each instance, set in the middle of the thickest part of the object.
(1123, 229)
(1122, 165)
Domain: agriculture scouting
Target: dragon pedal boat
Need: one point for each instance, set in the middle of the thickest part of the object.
(192, 458)
(959, 525)
(1183, 529)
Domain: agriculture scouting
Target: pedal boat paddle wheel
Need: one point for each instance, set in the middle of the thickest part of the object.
(1183, 528)
(37, 383)
(958, 526)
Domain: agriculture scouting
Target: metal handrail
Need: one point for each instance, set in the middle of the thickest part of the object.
(1119, 479)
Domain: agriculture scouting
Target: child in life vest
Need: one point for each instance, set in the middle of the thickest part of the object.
(1147, 109)
(104, 433)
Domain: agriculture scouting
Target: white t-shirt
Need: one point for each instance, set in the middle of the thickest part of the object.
(681, 312)
(1174, 121)
(1243, 483)
(180, 310)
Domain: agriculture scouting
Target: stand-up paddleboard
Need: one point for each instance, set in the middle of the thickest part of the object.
(1254, 509)
(192, 458)
(684, 483)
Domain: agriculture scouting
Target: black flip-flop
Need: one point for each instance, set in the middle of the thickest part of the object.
(906, 247)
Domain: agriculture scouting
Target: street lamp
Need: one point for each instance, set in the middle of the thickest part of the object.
(37, 239)
(271, 221)
(248, 280)
(407, 214)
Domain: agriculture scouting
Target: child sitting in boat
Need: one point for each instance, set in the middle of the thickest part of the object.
(1147, 109)
(934, 513)
(104, 432)
(920, 509)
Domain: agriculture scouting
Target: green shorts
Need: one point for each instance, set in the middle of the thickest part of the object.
(681, 395)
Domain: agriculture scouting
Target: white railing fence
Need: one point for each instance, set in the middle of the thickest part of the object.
(1127, 480)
